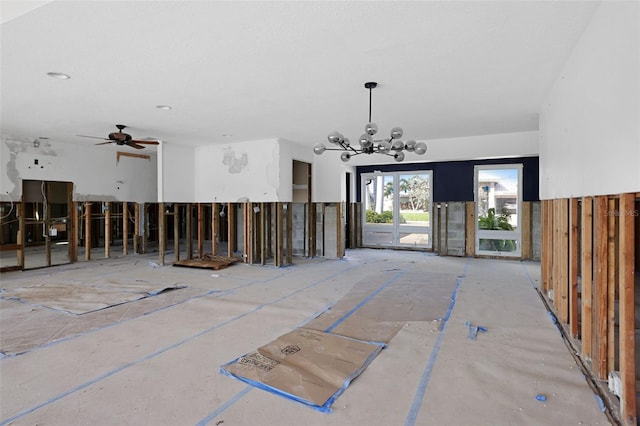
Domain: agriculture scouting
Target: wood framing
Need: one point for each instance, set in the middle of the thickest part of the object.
(189, 231)
(125, 228)
(73, 232)
(176, 232)
(87, 231)
(574, 263)
(231, 229)
(162, 232)
(611, 283)
(626, 270)
(200, 230)
(107, 229)
(586, 274)
(470, 228)
(546, 263)
(289, 233)
(600, 295)
(215, 224)
(131, 154)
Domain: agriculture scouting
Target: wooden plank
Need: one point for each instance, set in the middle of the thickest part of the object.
(107, 230)
(290, 233)
(545, 253)
(162, 232)
(263, 228)
(10, 247)
(131, 154)
(586, 274)
(574, 263)
(312, 230)
(87, 231)
(279, 234)
(73, 226)
(136, 230)
(231, 229)
(208, 262)
(21, 233)
(470, 228)
(626, 268)
(215, 218)
(555, 268)
(339, 229)
(200, 229)
(125, 228)
(563, 259)
(526, 230)
(176, 232)
(612, 282)
(248, 214)
(600, 297)
(189, 231)
(47, 224)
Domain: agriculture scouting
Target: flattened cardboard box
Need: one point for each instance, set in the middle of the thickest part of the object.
(308, 366)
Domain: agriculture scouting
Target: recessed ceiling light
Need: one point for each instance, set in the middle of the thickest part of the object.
(59, 75)
(164, 107)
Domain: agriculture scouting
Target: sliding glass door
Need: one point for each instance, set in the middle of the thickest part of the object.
(397, 209)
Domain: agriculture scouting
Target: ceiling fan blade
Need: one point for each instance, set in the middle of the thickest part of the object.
(104, 143)
(132, 144)
(92, 137)
(146, 142)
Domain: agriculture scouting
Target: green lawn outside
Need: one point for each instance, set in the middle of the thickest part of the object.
(416, 216)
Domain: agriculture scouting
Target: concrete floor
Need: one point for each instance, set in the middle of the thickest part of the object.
(156, 361)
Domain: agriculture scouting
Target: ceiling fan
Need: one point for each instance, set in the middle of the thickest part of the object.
(120, 138)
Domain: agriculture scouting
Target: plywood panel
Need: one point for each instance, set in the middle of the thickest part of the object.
(574, 260)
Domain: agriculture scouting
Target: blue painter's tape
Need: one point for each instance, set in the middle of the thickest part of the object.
(426, 375)
(541, 397)
(363, 302)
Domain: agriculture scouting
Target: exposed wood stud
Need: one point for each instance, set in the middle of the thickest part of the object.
(87, 231)
(526, 230)
(231, 229)
(136, 230)
(470, 228)
(200, 230)
(600, 296)
(574, 260)
(176, 231)
(289, 232)
(215, 224)
(162, 232)
(189, 232)
(627, 308)
(125, 228)
(612, 284)
(107, 229)
(563, 259)
(586, 274)
(546, 263)
(21, 233)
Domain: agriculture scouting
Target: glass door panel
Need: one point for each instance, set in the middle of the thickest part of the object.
(397, 209)
(498, 197)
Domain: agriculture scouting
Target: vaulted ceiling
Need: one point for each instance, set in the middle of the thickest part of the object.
(238, 70)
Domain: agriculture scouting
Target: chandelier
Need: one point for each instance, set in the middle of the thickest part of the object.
(391, 146)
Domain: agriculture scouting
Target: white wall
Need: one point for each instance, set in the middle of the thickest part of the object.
(175, 173)
(329, 171)
(590, 120)
(94, 171)
(238, 172)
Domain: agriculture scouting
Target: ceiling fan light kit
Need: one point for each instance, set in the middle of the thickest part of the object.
(392, 146)
(121, 138)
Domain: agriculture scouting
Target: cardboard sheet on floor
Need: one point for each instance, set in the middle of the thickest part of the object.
(308, 366)
(81, 298)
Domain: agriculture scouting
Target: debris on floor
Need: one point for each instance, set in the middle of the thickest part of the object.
(474, 330)
(208, 261)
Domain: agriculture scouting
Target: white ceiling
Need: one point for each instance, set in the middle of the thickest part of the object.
(295, 70)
